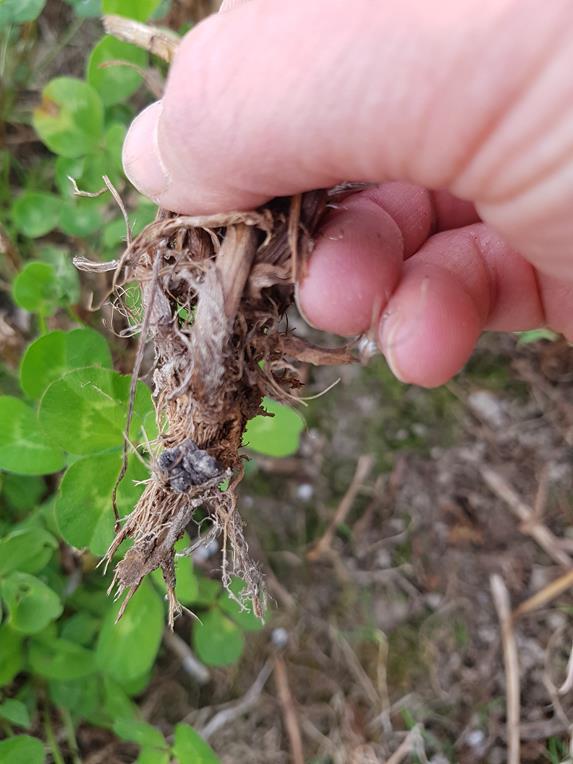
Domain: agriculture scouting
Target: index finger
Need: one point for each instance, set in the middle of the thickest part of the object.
(277, 98)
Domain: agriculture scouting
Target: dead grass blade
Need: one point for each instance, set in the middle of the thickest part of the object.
(288, 710)
(545, 595)
(161, 42)
(567, 685)
(411, 744)
(501, 601)
(240, 707)
(189, 662)
(323, 545)
(529, 524)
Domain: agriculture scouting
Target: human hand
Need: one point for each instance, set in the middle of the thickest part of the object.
(472, 97)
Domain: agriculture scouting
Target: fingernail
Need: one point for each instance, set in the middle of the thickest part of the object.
(142, 162)
(391, 334)
(302, 312)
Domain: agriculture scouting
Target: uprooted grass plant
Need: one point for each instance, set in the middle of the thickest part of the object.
(215, 291)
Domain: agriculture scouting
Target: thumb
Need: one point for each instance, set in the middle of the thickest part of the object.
(276, 98)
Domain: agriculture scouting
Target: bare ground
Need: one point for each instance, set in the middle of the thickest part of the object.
(393, 638)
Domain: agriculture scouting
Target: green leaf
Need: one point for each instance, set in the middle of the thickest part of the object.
(534, 335)
(27, 550)
(144, 214)
(85, 411)
(189, 747)
(140, 10)
(245, 618)
(56, 353)
(116, 82)
(22, 749)
(80, 628)
(84, 510)
(217, 640)
(208, 591)
(80, 217)
(60, 659)
(66, 273)
(44, 516)
(187, 586)
(19, 11)
(153, 756)
(70, 118)
(48, 632)
(137, 685)
(23, 446)
(86, 9)
(127, 650)
(15, 712)
(11, 654)
(121, 112)
(41, 286)
(114, 233)
(278, 435)
(95, 167)
(36, 288)
(94, 601)
(138, 732)
(35, 213)
(30, 603)
(116, 703)
(23, 493)
(83, 697)
(66, 168)
(114, 140)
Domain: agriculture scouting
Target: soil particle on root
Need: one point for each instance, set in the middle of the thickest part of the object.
(215, 291)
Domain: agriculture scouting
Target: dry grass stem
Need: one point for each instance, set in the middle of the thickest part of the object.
(529, 525)
(546, 595)
(240, 707)
(552, 648)
(567, 685)
(410, 744)
(323, 545)
(161, 42)
(8, 251)
(189, 662)
(288, 710)
(511, 663)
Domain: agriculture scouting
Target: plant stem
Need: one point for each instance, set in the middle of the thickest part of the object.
(73, 314)
(4, 50)
(51, 739)
(71, 734)
(42, 326)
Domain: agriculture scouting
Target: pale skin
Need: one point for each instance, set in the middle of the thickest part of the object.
(461, 111)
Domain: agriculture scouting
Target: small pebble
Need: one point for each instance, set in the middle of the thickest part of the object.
(305, 491)
(475, 738)
(279, 637)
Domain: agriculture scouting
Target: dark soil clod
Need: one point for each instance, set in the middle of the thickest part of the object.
(188, 465)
